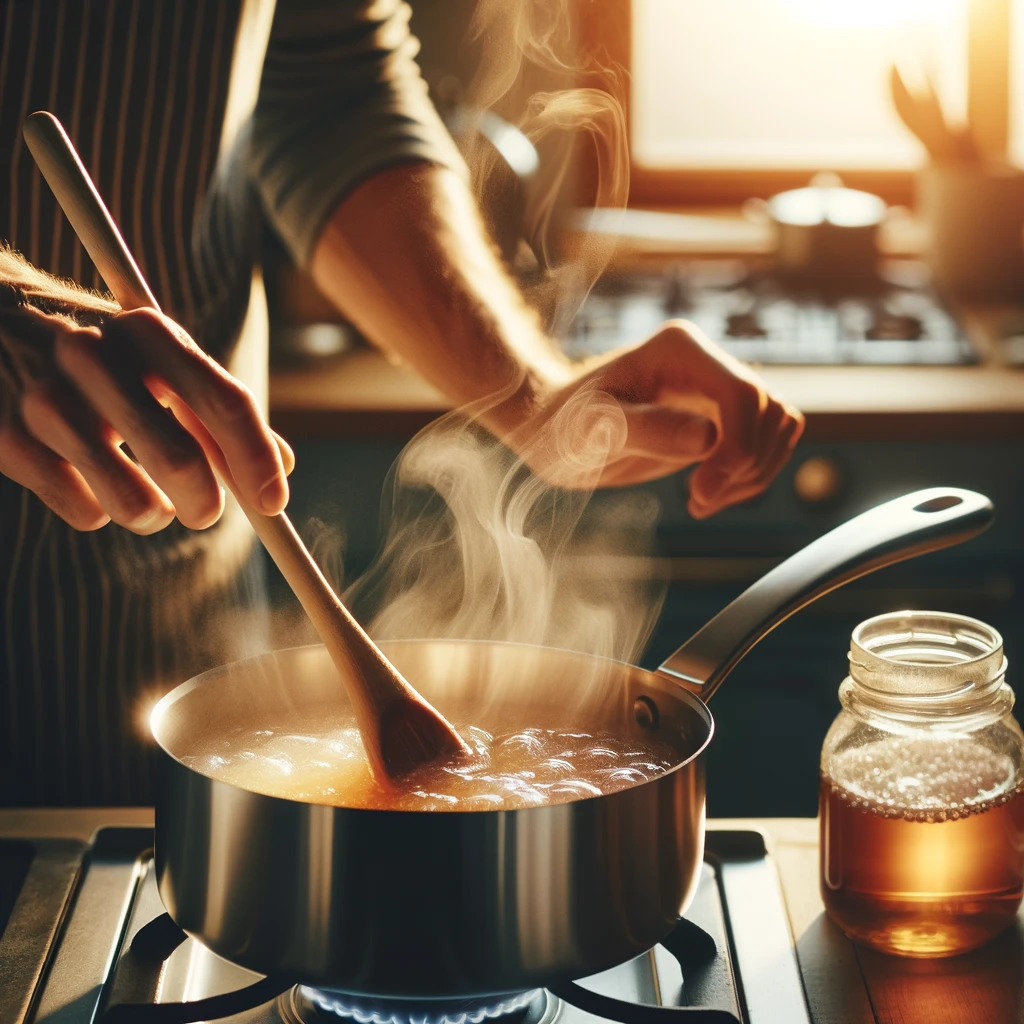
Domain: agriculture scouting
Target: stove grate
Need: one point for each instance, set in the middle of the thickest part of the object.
(116, 957)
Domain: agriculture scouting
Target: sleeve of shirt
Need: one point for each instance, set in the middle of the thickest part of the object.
(341, 98)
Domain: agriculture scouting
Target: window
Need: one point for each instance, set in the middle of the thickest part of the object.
(783, 83)
(731, 98)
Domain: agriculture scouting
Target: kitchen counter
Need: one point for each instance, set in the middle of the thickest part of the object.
(987, 986)
(363, 395)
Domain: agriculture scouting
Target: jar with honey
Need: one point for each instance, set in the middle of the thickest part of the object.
(922, 788)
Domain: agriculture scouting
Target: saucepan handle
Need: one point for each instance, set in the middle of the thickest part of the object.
(912, 525)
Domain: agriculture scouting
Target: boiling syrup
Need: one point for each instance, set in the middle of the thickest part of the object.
(308, 759)
(922, 851)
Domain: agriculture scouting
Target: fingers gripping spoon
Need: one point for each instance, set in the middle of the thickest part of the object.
(399, 729)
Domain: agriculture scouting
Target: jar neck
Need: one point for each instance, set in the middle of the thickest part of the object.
(927, 668)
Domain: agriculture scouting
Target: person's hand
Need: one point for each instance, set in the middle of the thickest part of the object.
(679, 400)
(143, 382)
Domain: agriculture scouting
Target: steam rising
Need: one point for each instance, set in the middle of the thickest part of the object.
(479, 547)
(575, 129)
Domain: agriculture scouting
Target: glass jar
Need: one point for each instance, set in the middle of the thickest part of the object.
(921, 808)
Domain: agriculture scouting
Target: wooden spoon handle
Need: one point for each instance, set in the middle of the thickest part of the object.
(344, 638)
(67, 177)
(71, 184)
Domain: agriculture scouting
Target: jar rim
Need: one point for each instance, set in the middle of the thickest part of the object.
(863, 631)
(926, 654)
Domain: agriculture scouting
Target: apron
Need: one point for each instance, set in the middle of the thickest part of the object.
(94, 627)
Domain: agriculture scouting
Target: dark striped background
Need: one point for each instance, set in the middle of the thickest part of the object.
(141, 87)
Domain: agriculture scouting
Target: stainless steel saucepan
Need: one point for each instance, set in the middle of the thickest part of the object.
(441, 904)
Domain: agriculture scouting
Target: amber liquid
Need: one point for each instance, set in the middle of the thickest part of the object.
(306, 757)
(921, 888)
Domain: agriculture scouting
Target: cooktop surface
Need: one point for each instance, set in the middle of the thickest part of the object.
(85, 939)
(759, 318)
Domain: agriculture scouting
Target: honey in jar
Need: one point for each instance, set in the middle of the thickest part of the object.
(921, 805)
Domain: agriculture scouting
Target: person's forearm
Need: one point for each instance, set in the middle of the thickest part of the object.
(405, 257)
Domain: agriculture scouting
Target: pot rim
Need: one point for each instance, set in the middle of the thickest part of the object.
(186, 687)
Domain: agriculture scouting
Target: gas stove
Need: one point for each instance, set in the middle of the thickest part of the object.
(85, 940)
(760, 318)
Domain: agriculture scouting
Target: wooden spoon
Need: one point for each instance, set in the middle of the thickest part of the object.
(400, 730)
(918, 107)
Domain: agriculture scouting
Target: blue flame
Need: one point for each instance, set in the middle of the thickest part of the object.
(367, 1012)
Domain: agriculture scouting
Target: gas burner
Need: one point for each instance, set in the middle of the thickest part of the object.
(744, 325)
(677, 296)
(314, 1005)
(894, 327)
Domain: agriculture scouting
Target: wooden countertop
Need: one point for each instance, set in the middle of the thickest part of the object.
(986, 987)
(363, 395)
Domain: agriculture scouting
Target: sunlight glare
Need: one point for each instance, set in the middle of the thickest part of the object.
(785, 84)
(871, 12)
(145, 708)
